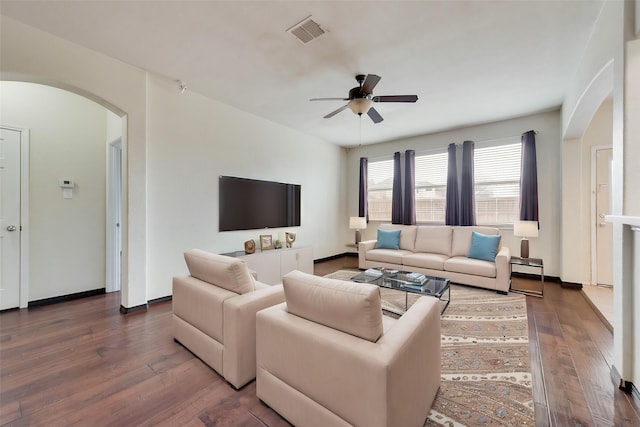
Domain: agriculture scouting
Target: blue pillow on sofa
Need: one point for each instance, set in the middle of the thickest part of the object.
(484, 246)
(388, 239)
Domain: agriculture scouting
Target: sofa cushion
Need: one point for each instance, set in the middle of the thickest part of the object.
(471, 266)
(353, 308)
(434, 240)
(461, 240)
(388, 239)
(424, 260)
(225, 272)
(407, 234)
(483, 246)
(387, 255)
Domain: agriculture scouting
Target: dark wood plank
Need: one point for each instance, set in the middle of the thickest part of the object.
(82, 362)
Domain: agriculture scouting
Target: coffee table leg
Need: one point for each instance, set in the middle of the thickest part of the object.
(448, 300)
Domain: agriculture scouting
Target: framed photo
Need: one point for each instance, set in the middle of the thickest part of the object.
(249, 246)
(266, 242)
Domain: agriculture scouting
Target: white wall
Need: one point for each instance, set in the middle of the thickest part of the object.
(194, 140)
(576, 189)
(196, 137)
(602, 71)
(67, 238)
(632, 130)
(548, 153)
(31, 55)
(599, 132)
(114, 126)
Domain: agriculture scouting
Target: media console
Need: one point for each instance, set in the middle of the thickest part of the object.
(271, 265)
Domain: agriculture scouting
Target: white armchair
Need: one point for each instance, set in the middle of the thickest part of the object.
(327, 356)
(214, 313)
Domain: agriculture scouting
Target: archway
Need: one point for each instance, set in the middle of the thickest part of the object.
(65, 254)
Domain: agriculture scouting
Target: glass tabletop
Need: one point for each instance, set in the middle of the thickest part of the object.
(405, 281)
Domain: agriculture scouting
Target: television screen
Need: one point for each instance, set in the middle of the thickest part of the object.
(248, 204)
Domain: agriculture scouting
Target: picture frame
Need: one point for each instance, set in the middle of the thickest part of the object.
(249, 247)
(266, 242)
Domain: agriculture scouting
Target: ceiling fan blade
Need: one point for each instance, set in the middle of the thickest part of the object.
(395, 98)
(329, 99)
(333, 113)
(375, 116)
(369, 83)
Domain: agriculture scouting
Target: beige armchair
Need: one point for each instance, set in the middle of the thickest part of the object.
(328, 357)
(214, 313)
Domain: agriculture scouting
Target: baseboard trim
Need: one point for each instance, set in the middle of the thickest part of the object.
(604, 320)
(332, 257)
(571, 285)
(144, 307)
(134, 309)
(159, 300)
(626, 386)
(68, 297)
(532, 276)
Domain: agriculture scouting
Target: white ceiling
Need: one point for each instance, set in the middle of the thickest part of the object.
(469, 62)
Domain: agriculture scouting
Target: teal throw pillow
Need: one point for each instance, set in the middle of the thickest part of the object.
(483, 246)
(388, 239)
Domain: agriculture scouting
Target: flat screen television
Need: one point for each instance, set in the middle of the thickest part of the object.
(249, 204)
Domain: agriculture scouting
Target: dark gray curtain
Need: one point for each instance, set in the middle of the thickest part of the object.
(363, 206)
(396, 195)
(409, 187)
(467, 187)
(529, 178)
(452, 207)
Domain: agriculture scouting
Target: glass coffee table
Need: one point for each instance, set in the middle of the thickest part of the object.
(408, 282)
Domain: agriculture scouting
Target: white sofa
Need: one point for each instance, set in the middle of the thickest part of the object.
(440, 251)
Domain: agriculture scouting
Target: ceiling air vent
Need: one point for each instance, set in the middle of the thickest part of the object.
(306, 30)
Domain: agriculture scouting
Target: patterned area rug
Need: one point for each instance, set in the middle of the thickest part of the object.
(486, 368)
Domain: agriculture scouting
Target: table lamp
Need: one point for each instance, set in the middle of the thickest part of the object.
(358, 223)
(525, 229)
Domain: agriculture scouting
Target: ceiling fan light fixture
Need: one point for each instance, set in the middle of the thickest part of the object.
(360, 105)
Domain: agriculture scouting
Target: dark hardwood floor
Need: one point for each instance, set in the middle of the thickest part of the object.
(83, 363)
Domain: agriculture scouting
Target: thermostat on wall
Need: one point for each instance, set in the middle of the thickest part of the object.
(66, 183)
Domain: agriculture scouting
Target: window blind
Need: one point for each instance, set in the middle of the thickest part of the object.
(497, 183)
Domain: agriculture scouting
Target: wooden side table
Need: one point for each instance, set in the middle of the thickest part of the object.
(528, 263)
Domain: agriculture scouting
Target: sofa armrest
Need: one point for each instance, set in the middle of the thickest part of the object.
(363, 247)
(239, 358)
(398, 375)
(503, 272)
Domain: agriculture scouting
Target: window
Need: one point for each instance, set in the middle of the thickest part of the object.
(497, 184)
(431, 187)
(380, 183)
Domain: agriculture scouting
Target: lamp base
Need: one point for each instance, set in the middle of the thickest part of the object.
(524, 248)
(358, 237)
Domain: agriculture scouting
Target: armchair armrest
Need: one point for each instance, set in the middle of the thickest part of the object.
(363, 247)
(239, 331)
(503, 273)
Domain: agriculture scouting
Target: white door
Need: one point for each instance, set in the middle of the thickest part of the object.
(604, 230)
(9, 218)
(114, 217)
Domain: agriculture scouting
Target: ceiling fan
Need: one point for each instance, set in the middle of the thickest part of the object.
(361, 98)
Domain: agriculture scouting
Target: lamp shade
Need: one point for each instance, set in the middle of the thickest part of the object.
(525, 228)
(360, 105)
(357, 223)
